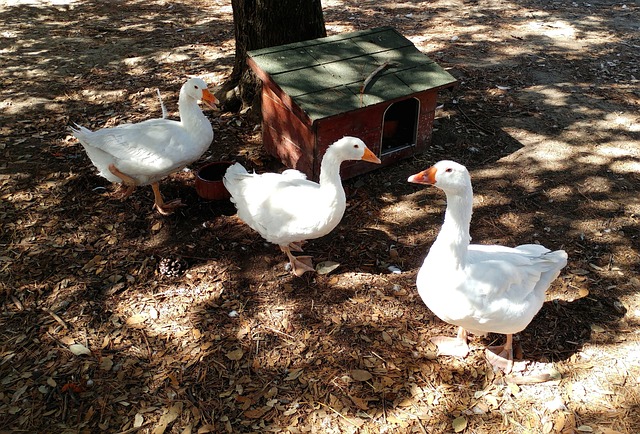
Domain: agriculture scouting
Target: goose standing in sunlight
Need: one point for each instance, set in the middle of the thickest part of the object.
(480, 288)
(146, 152)
(287, 209)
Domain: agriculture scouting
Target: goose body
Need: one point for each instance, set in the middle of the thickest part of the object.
(148, 151)
(480, 288)
(286, 208)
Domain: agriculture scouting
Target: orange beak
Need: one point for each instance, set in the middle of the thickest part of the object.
(209, 99)
(370, 156)
(425, 177)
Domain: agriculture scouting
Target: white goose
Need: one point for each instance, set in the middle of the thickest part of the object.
(480, 288)
(146, 152)
(287, 209)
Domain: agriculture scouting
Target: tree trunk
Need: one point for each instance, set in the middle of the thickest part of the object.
(261, 24)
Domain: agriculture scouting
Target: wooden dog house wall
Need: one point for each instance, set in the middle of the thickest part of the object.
(373, 84)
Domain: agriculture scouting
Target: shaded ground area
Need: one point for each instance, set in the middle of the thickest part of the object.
(546, 119)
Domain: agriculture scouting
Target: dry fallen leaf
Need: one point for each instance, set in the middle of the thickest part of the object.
(106, 364)
(235, 354)
(257, 413)
(326, 267)
(491, 400)
(169, 416)
(79, 350)
(386, 338)
(361, 375)
(293, 374)
(136, 319)
(606, 430)
(513, 388)
(138, 420)
(360, 403)
(459, 424)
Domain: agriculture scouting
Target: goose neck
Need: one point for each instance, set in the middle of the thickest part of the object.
(454, 234)
(330, 170)
(194, 121)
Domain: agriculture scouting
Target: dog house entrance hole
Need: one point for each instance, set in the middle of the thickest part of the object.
(400, 125)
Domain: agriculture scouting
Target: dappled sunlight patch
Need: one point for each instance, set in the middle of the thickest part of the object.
(544, 118)
(589, 389)
(405, 211)
(22, 104)
(552, 29)
(340, 28)
(628, 121)
(103, 95)
(620, 156)
(597, 184)
(552, 96)
(176, 55)
(40, 3)
(491, 199)
(548, 154)
(608, 123)
(559, 193)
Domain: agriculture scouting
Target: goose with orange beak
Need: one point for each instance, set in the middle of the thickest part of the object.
(287, 209)
(480, 288)
(146, 152)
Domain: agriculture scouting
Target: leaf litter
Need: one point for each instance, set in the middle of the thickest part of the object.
(94, 338)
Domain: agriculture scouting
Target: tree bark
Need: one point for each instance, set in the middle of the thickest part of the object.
(261, 24)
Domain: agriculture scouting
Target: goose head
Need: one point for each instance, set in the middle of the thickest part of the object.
(352, 148)
(447, 175)
(196, 88)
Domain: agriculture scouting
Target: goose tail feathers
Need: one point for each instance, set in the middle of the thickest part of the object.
(553, 263)
(233, 177)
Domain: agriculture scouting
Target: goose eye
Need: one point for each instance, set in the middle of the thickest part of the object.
(356, 146)
(449, 170)
(195, 86)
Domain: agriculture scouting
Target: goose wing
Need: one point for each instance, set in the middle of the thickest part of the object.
(145, 148)
(505, 287)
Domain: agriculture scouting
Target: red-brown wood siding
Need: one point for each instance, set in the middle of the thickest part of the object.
(285, 136)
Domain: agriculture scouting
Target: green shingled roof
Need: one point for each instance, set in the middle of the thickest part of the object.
(324, 77)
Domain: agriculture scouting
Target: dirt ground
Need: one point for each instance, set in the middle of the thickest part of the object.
(93, 338)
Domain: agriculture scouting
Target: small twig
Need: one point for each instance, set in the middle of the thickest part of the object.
(371, 76)
(338, 413)
(277, 331)
(584, 195)
(422, 428)
(17, 303)
(56, 317)
(222, 365)
(384, 409)
(374, 353)
(146, 341)
(472, 121)
(134, 429)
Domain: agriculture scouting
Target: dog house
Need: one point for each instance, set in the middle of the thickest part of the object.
(373, 84)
